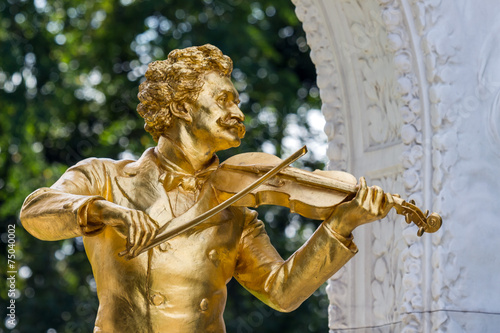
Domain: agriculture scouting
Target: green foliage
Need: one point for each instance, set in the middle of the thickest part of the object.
(69, 74)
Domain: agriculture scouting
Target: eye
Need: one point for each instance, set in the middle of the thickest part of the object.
(222, 100)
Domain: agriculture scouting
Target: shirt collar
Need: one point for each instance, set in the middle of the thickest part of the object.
(178, 170)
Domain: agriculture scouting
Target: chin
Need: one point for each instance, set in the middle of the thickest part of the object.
(230, 144)
(234, 143)
(237, 143)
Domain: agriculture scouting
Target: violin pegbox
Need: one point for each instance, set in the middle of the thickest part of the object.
(425, 222)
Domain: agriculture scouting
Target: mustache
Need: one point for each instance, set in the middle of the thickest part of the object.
(230, 122)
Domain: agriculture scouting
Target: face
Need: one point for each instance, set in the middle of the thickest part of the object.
(216, 117)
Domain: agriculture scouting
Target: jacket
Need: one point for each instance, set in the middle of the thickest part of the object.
(180, 285)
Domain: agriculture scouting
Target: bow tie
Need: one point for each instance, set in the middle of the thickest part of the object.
(177, 171)
(189, 183)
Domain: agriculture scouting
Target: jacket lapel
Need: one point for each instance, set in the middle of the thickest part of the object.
(140, 184)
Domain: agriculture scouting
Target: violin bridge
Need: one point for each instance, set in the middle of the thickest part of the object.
(275, 182)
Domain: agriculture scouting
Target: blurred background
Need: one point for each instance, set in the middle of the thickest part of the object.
(69, 75)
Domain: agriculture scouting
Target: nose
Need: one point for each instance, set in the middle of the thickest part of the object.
(237, 114)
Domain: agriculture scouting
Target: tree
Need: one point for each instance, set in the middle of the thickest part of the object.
(69, 74)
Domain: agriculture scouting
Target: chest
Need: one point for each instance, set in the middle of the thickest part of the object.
(210, 248)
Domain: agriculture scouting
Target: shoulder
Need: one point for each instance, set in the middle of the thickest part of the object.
(128, 166)
(96, 167)
(94, 162)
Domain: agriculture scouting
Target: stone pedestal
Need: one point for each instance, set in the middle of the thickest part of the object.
(411, 95)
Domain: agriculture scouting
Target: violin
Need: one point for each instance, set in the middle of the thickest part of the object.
(254, 179)
(311, 194)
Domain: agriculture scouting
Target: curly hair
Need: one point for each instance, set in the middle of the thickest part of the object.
(177, 79)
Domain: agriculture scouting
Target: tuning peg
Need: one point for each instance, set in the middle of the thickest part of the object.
(420, 231)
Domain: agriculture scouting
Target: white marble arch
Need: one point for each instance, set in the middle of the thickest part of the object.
(411, 92)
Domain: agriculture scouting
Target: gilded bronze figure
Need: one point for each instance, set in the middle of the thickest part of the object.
(190, 107)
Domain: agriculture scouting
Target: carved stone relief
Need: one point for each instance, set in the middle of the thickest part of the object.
(367, 90)
(446, 59)
(328, 80)
(311, 12)
(489, 80)
(387, 250)
(439, 37)
(399, 85)
(382, 121)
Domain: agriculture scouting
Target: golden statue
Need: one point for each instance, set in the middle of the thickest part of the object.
(177, 283)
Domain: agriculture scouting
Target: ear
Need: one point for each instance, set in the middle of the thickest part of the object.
(182, 110)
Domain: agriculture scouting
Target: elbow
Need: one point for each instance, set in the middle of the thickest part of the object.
(288, 309)
(282, 294)
(25, 218)
(29, 224)
(31, 217)
(44, 228)
(284, 304)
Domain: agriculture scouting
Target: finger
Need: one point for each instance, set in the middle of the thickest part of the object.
(146, 234)
(390, 199)
(367, 200)
(378, 197)
(389, 202)
(131, 232)
(140, 232)
(378, 194)
(363, 190)
(154, 227)
(149, 229)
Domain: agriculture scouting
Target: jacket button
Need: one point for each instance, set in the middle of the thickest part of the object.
(157, 299)
(164, 247)
(204, 304)
(212, 255)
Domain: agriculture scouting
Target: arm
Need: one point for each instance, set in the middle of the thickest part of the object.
(60, 212)
(284, 285)
(79, 204)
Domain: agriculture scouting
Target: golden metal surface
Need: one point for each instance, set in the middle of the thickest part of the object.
(180, 224)
(191, 109)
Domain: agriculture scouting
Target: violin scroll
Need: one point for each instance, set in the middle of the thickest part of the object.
(425, 222)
